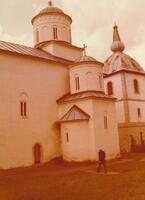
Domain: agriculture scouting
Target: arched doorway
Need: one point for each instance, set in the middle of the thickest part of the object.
(37, 151)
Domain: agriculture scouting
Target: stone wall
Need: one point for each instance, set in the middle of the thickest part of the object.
(130, 131)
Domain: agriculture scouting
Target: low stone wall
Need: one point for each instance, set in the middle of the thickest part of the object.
(129, 133)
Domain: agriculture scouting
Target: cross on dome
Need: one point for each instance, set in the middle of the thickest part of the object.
(84, 49)
(50, 3)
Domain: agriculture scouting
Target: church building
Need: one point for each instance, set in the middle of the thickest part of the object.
(56, 101)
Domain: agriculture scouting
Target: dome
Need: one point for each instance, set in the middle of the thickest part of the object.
(51, 24)
(119, 61)
(85, 58)
(50, 9)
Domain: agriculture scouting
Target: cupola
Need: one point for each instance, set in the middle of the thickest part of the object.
(50, 24)
(86, 75)
(119, 60)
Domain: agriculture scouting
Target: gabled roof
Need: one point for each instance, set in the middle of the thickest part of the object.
(75, 113)
(29, 51)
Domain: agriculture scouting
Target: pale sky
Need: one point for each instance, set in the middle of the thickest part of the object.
(92, 24)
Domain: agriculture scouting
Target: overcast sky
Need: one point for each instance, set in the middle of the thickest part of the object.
(92, 23)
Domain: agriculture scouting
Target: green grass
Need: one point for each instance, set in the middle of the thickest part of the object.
(81, 184)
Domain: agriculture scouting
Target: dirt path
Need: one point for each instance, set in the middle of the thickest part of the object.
(57, 168)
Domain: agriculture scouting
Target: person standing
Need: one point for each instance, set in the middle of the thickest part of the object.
(102, 161)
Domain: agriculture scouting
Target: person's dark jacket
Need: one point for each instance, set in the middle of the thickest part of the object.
(102, 156)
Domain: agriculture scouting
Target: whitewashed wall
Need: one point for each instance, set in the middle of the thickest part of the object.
(106, 138)
(44, 25)
(77, 146)
(63, 50)
(89, 77)
(35, 78)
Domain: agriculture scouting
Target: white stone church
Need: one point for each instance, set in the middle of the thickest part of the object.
(57, 101)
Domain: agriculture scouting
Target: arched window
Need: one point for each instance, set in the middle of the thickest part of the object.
(23, 105)
(110, 88)
(55, 36)
(139, 112)
(136, 86)
(77, 82)
(100, 81)
(67, 137)
(105, 121)
(37, 36)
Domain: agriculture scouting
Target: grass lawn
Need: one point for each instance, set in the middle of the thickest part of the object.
(125, 181)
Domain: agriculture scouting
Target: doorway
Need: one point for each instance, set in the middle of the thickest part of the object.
(37, 153)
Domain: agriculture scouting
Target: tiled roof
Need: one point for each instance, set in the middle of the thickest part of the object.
(85, 58)
(119, 61)
(75, 113)
(81, 95)
(51, 9)
(29, 51)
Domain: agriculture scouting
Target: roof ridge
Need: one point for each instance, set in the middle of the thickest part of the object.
(16, 44)
(84, 94)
